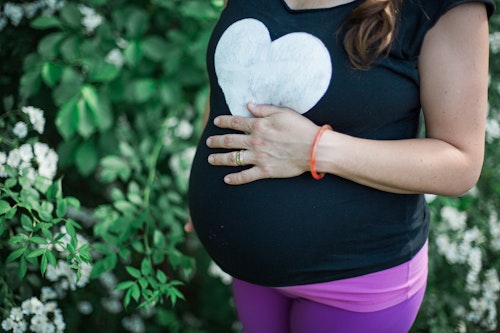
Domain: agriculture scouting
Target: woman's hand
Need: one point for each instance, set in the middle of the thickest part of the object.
(277, 143)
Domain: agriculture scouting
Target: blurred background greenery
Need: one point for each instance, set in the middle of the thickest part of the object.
(111, 93)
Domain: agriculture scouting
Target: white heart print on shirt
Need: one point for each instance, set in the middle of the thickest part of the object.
(293, 71)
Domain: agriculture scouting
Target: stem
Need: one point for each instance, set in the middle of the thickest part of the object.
(147, 191)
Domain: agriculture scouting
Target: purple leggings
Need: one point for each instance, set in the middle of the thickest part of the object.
(266, 310)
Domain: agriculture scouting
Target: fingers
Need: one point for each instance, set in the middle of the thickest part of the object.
(246, 124)
(245, 176)
(234, 158)
(228, 141)
(189, 227)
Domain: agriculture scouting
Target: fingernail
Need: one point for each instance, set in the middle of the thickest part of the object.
(227, 180)
(216, 120)
(211, 159)
(252, 105)
(209, 141)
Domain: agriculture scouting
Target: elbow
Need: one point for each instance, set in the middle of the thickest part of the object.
(464, 182)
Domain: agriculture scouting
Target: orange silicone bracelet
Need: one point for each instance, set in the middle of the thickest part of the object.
(312, 163)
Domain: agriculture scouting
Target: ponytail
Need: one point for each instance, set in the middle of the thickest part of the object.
(369, 31)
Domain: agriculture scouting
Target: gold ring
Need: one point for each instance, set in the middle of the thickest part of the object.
(239, 158)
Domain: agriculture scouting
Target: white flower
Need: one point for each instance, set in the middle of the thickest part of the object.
(20, 130)
(40, 149)
(16, 314)
(492, 130)
(3, 172)
(3, 22)
(30, 9)
(36, 117)
(3, 157)
(14, 12)
(26, 152)
(14, 158)
(134, 324)
(85, 307)
(32, 306)
(115, 57)
(112, 305)
(47, 293)
(215, 271)
(91, 20)
(48, 166)
(181, 163)
(430, 197)
(455, 218)
(184, 130)
(495, 42)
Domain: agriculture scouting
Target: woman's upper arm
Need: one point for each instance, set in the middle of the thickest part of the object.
(453, 68)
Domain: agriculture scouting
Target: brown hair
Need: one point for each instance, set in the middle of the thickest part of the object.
(369, 31)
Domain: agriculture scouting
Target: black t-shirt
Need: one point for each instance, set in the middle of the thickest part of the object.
(298, 230)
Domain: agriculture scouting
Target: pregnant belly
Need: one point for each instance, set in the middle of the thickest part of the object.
(276, 230)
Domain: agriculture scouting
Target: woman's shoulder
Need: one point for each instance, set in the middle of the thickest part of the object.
(432, 10)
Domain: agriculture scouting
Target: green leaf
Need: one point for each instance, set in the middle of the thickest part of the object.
(30, 83)
(15, 254)
(43, 264)
(45, 22)
(26, 222)
(51, 73)
(71, 15)
(51, 258)
(133, 54)
(67, 118)
(86, 123)
(10, 214)
(137, 23)
(70, 229)
(18, 239)
(10, 182)
(136, 292)
(38, 240)
(103, 115)
(4, 207)
(23, 268)
(143, 89)
(114, 167)
(102, 71)
(146, 267)
(155, 48)
(126, 298)
(124, 285)
(55, 190)
(158, 239)
(62, 208)
(108, 263)
(69, 87)
(133, 271)
(125, 207)
(86, 158)
(36, 253)
(70, 48)
(161, 276)
(48, 47)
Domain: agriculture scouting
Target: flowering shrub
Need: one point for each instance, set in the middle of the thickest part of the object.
(123, 84)
(34, 227)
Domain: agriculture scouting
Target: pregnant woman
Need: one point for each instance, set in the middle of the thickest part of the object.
(308, 182)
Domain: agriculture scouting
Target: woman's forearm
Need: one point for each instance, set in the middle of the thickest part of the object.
(400, 166)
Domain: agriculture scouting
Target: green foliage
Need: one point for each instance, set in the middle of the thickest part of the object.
(126, 81)
(123, 84)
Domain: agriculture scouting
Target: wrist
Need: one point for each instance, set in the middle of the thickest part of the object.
(313, 161)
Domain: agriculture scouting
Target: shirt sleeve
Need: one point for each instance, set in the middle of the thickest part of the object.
(419, 16)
